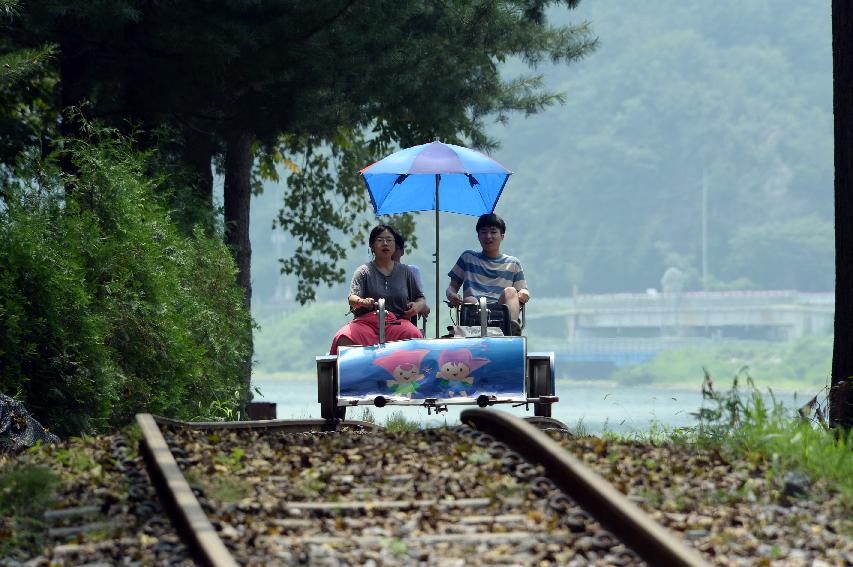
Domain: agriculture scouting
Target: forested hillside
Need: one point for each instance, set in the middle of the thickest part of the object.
(734, 95)
(608, 188)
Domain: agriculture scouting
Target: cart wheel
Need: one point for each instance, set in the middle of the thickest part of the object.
(542, 410)
(327, 389)
(328, 409)
(540, 376)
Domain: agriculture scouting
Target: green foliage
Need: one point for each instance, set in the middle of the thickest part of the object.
(305, 74)
(736, 95)
(397, 546)
(22, 63)
(802, 364)
(232, 460)
(224, 409)
(386, 105)
(750, 427)
(479, 457)
(106, 308)
(324, 196)
(51, 337)
(8, 8)
(27, 85)
(465, 86)
(319, 204)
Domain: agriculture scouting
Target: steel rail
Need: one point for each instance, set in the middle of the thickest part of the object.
(180, 502)
(284, 425)
(623, 518)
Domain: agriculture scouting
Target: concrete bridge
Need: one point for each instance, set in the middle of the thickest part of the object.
(759, 315)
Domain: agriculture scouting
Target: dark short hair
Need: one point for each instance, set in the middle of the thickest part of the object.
(378, 229)
(398, 240)
(491, 219)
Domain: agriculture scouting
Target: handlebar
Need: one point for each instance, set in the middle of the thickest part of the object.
(379, 305)
(484, 313)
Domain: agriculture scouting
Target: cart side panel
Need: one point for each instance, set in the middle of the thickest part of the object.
(421, 369)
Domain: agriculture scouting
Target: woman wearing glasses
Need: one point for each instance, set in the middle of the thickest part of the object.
(382, 278)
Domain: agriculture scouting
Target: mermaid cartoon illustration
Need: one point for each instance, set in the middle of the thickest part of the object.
(405, 367)
(455, 368)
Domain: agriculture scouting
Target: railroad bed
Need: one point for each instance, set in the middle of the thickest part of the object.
(432, 497)
(451, 496)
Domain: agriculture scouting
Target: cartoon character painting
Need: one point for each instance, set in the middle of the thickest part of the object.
(405, 367)
(455, 368)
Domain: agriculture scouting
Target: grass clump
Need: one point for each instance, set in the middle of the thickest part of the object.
(74, 458)
(746, 424)
(229, 489)
(367, 415)
(26, 491)
(397, 423)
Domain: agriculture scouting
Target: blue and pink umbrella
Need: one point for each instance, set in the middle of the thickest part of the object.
(439, 177)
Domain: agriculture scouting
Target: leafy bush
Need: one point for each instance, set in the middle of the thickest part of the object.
(106, 308)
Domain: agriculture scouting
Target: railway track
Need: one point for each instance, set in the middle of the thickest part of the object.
(495, 491)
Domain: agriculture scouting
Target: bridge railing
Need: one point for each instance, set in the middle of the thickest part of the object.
(681, 302)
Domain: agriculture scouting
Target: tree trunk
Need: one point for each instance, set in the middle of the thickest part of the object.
(238, 194)
(841, 392)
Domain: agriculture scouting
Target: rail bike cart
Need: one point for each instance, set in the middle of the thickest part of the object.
(482, 367)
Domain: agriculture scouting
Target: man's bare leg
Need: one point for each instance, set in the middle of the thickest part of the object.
(509, 297)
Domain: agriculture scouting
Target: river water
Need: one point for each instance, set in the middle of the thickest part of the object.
(595, 408)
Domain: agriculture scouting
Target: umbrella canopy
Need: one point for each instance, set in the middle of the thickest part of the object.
(470, 183)
(439, 177)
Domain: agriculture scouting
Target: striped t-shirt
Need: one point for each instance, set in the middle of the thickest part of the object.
(482, 276)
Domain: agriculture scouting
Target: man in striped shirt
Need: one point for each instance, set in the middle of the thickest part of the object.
(489, 273)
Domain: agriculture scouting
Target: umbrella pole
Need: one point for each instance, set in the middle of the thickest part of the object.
(437, 310)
